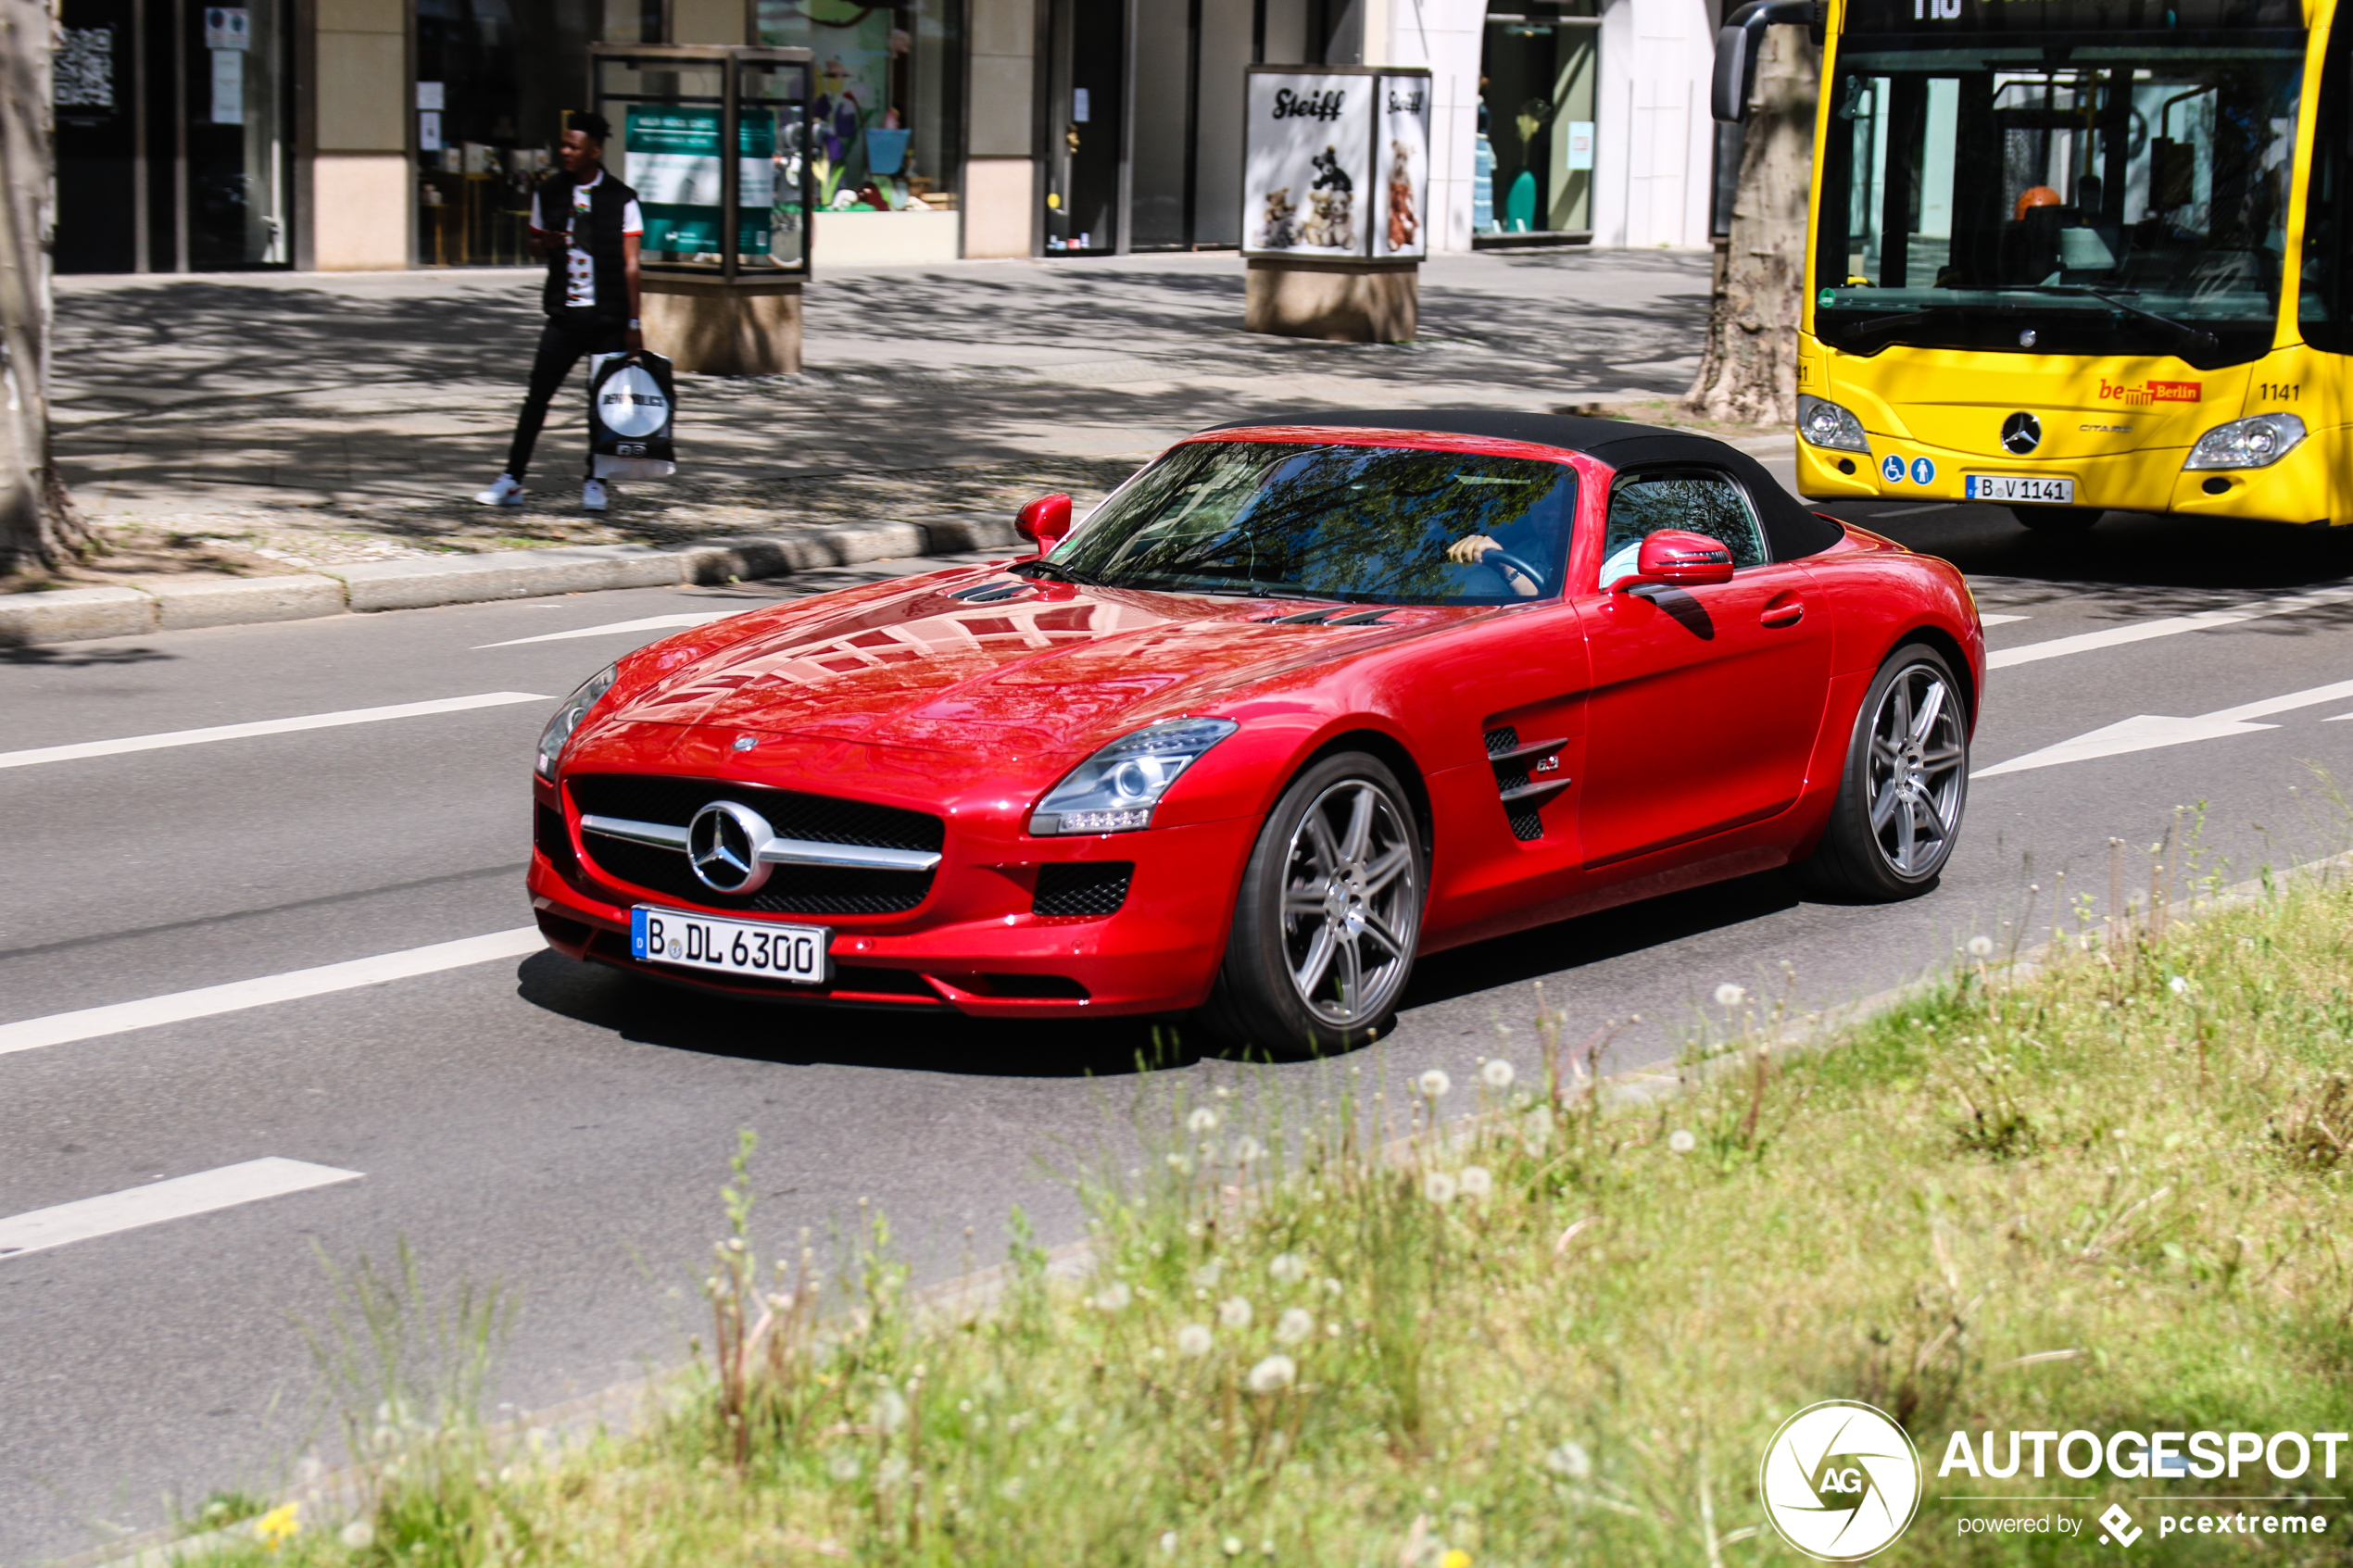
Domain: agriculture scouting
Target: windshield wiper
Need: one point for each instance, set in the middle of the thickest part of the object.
(2194, 338)
(1903, 318)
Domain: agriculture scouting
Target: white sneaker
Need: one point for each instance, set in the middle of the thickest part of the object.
(592, 495)
(507, 491)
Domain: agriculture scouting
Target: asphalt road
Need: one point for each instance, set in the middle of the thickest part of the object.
(563, 1132)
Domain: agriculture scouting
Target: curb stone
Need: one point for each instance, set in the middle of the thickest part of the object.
(64, 615)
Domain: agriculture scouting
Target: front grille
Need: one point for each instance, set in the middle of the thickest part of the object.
(797, 890)
(1083, 888)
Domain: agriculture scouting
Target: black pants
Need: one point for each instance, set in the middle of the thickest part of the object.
(562, 342)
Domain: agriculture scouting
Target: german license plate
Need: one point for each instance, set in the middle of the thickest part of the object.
(2019, 488)
(796, 953)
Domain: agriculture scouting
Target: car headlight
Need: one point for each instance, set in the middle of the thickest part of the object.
(1824, 423)
(567, 718)
(2256, 443)
(1115, 790)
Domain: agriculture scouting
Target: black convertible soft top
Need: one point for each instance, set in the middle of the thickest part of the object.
(1792, 528)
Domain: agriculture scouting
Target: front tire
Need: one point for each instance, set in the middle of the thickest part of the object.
(1329, 916)
(1904, 788)
(2057, 520)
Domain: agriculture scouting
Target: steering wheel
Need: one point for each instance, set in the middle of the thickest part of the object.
(1513, 564)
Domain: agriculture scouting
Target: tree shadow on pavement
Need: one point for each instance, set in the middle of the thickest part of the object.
(679, 1018)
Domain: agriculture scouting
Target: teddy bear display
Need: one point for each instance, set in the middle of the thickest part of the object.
(1332, 223)
(1281, 229)
(1404, 222)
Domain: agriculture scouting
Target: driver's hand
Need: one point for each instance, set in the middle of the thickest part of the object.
(1466, 550)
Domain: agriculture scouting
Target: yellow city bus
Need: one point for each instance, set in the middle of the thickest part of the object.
(2071, 255)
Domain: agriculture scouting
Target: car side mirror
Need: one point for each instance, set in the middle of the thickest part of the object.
(1676, 558)
(1044, 522)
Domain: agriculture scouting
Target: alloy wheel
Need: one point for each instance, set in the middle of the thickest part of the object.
(1350, 906)
(1916, 771)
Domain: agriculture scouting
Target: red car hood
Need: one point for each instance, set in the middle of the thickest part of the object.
(1054, 670)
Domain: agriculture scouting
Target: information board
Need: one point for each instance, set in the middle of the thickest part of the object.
(1335, 163)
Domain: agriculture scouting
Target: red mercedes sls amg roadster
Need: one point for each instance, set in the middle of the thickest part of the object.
(1296, 704)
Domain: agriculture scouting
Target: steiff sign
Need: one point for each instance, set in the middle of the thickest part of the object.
(1336, 164)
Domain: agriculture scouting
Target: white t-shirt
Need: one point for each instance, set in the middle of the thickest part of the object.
(580, 267)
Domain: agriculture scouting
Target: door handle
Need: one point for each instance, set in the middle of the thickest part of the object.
(1783, 613)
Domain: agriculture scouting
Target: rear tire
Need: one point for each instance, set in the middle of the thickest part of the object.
(1906, 782)
(1328, 915)
(2057, 520)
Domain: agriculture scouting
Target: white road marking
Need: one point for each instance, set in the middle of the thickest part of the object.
(1998, 619)
(62, 1028)
(175, 1199)
(262, 727)
(2147, 732)
(650, 624)
(2171, 625)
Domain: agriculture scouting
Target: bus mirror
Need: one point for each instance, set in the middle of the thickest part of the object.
(1740, 39)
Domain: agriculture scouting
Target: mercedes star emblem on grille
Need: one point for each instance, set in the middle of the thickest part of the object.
(2022, 434)
(723, 846)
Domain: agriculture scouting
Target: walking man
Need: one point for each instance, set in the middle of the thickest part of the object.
(587, 224)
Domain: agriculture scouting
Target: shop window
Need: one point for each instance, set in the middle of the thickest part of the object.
(888, 107)
(495, 80)
(1538, 80)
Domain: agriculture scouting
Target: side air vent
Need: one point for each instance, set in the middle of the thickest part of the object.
(1083, 888)
(1525, 777)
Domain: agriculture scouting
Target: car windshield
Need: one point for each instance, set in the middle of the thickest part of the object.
(1376, 524)
(2062, 192)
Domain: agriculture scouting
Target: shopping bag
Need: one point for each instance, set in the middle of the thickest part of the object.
(631, 410)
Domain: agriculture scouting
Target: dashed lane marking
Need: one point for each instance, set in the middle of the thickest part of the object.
(88, 1023)
(175, 1199)
(2169, 626)
(262, 727)
(650, 624)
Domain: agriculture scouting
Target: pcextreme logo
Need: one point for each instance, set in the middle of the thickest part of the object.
(1840, 1480)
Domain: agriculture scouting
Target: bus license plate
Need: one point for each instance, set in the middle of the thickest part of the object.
(796, 953)
(2019, 488)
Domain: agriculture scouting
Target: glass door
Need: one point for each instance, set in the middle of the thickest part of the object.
(234, 102)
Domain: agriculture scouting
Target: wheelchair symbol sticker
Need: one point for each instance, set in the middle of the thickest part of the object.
(1922, 470)
(1891, 469)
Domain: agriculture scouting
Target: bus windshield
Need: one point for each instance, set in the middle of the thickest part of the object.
(2069, 193)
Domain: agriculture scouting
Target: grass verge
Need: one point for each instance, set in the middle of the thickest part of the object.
(2112, 1195)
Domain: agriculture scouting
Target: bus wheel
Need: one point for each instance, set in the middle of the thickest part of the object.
(2057, 520)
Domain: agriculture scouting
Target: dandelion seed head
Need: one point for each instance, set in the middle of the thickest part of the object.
(1730, 996)
(1113, 1297)
(1180, 1163)
(1295, 1325)
(1569, 1460)
(1331, 1287)
(1682, 1141)
(1210, 1272)
(1433, 1085)
(357, 1536)
(1497, 1074)
(1231, 1546)
(844, 1467)
(1168, 1543)
(1981, 947)
(1194, 1339)
(1202, 1120)
(1288, 1268)
(1233, 1312)
(1247, 1149)
(1438, 1187)
(891, 1472)
(1476, 1182)
(1272, 1375)
(891, 1409)
(2177, 985)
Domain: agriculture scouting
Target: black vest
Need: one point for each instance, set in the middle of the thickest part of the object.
(609, 199)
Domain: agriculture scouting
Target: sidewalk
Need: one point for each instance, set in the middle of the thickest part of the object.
(272, 424)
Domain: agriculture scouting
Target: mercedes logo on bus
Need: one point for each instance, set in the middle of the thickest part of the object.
(2022, 434)
(723, 848)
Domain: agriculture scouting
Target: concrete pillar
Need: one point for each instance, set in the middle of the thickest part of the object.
(1000, 197)
(362, 198)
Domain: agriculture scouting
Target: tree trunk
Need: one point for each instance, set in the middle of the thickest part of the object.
(40, 530)
(1748, 373)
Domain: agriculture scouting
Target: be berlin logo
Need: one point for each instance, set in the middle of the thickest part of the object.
(1843, 1481)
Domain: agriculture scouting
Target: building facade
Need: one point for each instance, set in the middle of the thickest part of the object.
(349, 135)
